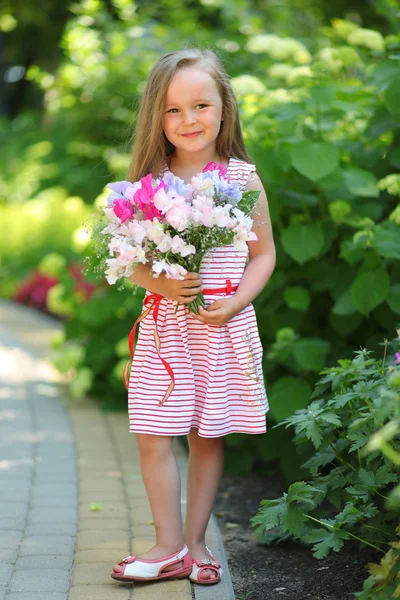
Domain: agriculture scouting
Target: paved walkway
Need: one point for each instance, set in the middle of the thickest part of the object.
(59, 460)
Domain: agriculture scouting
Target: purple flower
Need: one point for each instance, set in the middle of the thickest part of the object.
(397, 358)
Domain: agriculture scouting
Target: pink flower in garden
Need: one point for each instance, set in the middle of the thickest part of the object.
(123, 209)
(212, 166)
(397, 358)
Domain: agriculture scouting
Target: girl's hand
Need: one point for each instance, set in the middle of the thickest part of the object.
(219, 312)
(180, 290)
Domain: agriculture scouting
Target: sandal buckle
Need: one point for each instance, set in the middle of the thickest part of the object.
(208, 561)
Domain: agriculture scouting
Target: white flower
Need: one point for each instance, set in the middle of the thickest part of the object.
(161, 200)
(178, 246)
(242, 235)
(136, 231)
(369, 38)
(175, 272)
(247, 84)
(171, 271)
(205, 186)
(165, 243)
(118, 268)
(158, 267)
(154, 230)
(178, 217)
(222, 216)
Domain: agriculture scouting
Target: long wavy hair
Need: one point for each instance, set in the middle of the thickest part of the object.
(150, 145)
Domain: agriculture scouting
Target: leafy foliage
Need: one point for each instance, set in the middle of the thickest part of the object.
(353, 424)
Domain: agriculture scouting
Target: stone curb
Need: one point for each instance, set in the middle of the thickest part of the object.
(108, 474)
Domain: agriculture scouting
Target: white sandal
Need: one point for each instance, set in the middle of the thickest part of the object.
(134, 569)
(198, 567)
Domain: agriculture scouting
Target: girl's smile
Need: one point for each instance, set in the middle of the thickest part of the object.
(190, 135)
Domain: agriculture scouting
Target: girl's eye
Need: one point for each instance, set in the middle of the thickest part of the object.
(172, 110)
(201, 105)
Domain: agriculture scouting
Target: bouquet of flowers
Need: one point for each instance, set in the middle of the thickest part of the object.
(172, 225)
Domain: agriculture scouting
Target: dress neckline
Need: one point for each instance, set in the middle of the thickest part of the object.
(167, 170)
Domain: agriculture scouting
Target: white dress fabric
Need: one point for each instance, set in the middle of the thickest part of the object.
(219, 385)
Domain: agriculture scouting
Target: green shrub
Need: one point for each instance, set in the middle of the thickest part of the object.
(353, 425)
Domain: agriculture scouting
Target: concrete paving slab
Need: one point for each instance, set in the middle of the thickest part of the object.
(52, 515)
(35, 580)
(16, 524)
(8, 555)
(5, 573)
(13, 510)
(38, 596)
(52, 529)
(10, 538)
(60, 545)
(44, 562)
(100, 592)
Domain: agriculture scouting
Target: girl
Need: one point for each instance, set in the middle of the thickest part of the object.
(187, 119)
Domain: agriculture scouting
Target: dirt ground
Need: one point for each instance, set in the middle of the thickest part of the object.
(286, 571)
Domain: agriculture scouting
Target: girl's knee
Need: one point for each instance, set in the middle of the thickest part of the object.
(204, 444)
(154, 444)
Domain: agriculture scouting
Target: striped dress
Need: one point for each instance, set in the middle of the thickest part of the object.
(219, 386)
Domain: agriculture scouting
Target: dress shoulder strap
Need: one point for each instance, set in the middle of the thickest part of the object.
(239, 170)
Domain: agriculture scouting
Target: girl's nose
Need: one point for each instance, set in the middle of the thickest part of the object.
(189, 118)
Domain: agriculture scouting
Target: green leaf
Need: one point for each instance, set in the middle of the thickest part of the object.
(293, 520)
(393, 298)
(370, 289)
(391, 97)
(311, 353)
(314, 433)
(315, 160)
(344, 304)
(387, 241)
(268, 516)
(360, 182)
(297, 297)
(303, 242)
(287, 395)
(329, 540)
(248, 200)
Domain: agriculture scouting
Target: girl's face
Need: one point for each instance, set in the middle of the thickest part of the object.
(192, 111)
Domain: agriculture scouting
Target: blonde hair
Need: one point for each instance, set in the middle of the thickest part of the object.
(151, 147)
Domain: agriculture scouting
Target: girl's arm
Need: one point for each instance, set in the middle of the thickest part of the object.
(257, 273)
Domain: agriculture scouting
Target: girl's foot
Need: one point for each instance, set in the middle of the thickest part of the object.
(157, 552)
(200, 552)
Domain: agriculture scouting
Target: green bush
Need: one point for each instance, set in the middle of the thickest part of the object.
(353, 426)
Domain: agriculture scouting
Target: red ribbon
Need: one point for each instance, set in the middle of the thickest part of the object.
(154, 301)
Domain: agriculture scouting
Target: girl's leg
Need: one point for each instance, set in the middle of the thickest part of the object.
(161, 478)
(204, 472)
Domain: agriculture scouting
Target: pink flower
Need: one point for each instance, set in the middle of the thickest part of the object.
(144, 196)
(123, 209)
(397, 358)
(146, 192)
(212, 166)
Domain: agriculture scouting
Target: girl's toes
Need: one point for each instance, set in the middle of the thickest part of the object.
(116, 569)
